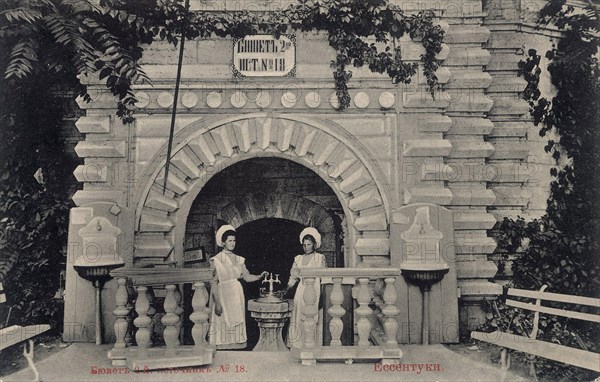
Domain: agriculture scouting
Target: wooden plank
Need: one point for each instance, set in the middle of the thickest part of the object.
(16, 333)
(557, 312)
(560, 353)
(589, 301)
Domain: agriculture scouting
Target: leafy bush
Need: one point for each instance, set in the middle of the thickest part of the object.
(561, 249)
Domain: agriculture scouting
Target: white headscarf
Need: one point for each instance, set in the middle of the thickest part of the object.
(221, 231)
(312, 232)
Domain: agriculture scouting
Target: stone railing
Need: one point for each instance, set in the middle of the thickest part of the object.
(363, 281)
(135, 297)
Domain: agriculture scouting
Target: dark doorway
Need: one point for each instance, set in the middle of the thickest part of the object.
(267, 245)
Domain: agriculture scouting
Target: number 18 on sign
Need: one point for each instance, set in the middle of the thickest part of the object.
(264, 56)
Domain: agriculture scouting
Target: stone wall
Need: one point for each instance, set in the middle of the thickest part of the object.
(471, 149)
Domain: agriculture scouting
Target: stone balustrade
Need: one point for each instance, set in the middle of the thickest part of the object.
(135, 297)
(363, 281)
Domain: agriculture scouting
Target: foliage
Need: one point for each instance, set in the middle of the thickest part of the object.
(54, 46)
(108, 36)
(561, 249)
(33, 216)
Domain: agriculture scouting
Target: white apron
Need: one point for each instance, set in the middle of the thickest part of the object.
(294, 339)
(230, 327)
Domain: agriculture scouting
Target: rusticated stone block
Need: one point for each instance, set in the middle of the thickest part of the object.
(101, 149)
(476, 269)
(470, 149)
(468, 220)
(470, 126)
(467, 33)
(426, 147)
(91, 173)
(95, 124)
(83, 197)
(372, 247)
(479, 289)
(432, 194)
(467, 57)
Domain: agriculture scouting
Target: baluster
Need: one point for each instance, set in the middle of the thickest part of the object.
(199, 316)
(309, 325)
(179, 312)
(336, 311)
(142, 321)
(170, 320)
(151, 311)
(121, 312)
(390, 312)
(363, 312)
(129, 336)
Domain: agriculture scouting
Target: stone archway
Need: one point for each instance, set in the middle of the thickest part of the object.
(203, 151)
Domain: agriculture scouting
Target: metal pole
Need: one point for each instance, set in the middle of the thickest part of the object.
(176, 95)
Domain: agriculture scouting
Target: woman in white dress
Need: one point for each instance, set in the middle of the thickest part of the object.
(228, 317)
(310, 239)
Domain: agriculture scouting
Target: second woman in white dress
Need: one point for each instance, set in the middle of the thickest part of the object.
(310, 239)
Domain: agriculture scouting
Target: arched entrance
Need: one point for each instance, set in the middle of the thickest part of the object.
(203, 151)
(269, 201)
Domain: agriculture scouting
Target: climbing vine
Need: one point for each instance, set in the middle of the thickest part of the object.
(562, 248)
(53, 45)
(108, 37)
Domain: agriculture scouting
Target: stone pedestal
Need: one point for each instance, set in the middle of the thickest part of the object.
(271, 317)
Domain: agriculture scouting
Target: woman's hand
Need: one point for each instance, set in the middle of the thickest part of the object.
(218, 309)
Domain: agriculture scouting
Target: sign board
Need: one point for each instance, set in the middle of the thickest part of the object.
(264, 56)
(193, 256)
